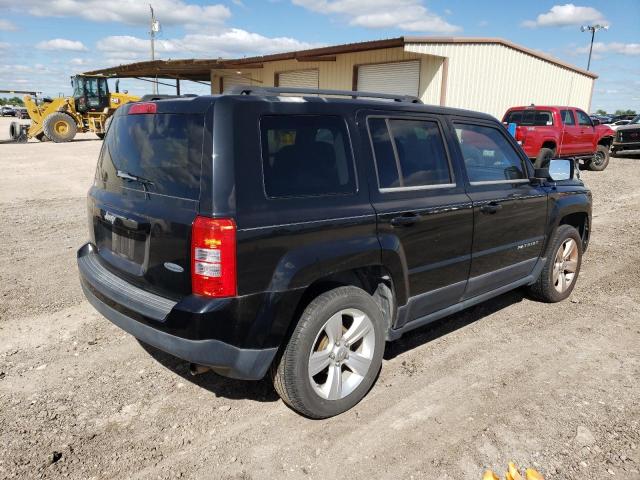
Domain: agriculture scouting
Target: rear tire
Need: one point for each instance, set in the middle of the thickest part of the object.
(560, 272)
(42, 137)
(340, 336)
(544, 157)
(600, 159)
(60, 127)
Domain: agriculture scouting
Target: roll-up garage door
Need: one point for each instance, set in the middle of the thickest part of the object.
(233, 80)
(298, 79)
(399, 78)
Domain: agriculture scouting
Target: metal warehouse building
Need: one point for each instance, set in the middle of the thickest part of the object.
(484, 74)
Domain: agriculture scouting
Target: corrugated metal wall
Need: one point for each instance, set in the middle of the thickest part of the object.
(484, 77)
(338, 75)
(491, 78)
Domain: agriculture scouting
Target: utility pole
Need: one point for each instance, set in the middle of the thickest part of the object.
(155, 28)
(593, 29)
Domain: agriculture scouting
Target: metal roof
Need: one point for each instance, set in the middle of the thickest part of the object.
(200, 69)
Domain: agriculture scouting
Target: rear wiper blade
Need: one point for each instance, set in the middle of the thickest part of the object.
(134, 178)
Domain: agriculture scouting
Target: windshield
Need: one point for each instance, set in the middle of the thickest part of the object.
(635, 120)
(155, 153)
(533, 118)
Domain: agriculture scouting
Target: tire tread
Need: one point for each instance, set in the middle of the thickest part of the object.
(543, 288)
(282, 369)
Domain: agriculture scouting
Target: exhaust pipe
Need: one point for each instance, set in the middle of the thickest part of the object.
(197, 369)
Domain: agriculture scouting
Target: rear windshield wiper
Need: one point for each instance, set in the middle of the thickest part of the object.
(134, 178)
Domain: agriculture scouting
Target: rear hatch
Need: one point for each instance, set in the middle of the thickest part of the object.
(146, 192)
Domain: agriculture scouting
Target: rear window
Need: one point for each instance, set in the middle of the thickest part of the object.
(306, 155)
(532, 118)
(163, 150)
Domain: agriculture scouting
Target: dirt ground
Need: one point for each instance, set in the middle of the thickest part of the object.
(555, 387)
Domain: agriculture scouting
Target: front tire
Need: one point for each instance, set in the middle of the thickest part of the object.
(334, 354)
(560, 272)
(60, 127)
(600, 159)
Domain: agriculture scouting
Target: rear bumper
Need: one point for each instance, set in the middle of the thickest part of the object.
(146, 316)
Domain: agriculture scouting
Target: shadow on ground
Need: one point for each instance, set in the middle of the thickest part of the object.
(446, 325)
(262, 391)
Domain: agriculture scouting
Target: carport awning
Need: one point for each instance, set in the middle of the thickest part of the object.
(192, 69)
(200, 69)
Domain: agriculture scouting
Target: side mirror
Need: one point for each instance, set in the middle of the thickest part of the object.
(558, 169)
(595, 121)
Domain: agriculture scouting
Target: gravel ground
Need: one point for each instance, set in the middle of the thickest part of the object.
(549, 386)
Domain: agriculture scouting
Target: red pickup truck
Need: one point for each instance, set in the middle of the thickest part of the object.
(547, 132)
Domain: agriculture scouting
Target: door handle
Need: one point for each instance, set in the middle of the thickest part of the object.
(405, 220)
(491, 207)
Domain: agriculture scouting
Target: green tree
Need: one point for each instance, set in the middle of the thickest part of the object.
(625, 112)
(600, 112)
(15, 101)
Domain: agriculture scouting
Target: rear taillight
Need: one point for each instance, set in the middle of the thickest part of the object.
(141, 108)
(213, 257)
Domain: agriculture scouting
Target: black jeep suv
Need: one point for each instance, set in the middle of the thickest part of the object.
(255, 232)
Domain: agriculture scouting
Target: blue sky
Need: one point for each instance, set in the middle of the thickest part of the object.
(42, 42)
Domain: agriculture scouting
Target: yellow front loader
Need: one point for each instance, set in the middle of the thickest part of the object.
(88, 110)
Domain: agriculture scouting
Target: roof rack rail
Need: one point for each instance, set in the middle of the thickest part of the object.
(266, 91)
(163, 96)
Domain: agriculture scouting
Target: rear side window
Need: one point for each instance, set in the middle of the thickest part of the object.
(567, 117)
(306, 155)
(488, 156)
(531, 118)
(409, 153)
(164, 151)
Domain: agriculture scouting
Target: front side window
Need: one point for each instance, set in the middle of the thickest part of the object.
(306, 155)
(583, 118)
(488, 155)
(567, 117)
(409, 153)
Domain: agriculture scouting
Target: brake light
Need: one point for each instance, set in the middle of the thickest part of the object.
(213, 257)
(142, 108)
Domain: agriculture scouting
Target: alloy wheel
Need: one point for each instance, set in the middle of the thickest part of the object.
(598, 158)
(565, 265)
(341, 354)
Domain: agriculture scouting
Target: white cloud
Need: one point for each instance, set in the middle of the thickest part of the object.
(4, 45)
(408, 15)
(564, 15)
(7, 26)
(231, 42)
(79, 61)
(136, 12)
(612, 47)
(62, 44)
(20, 68)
